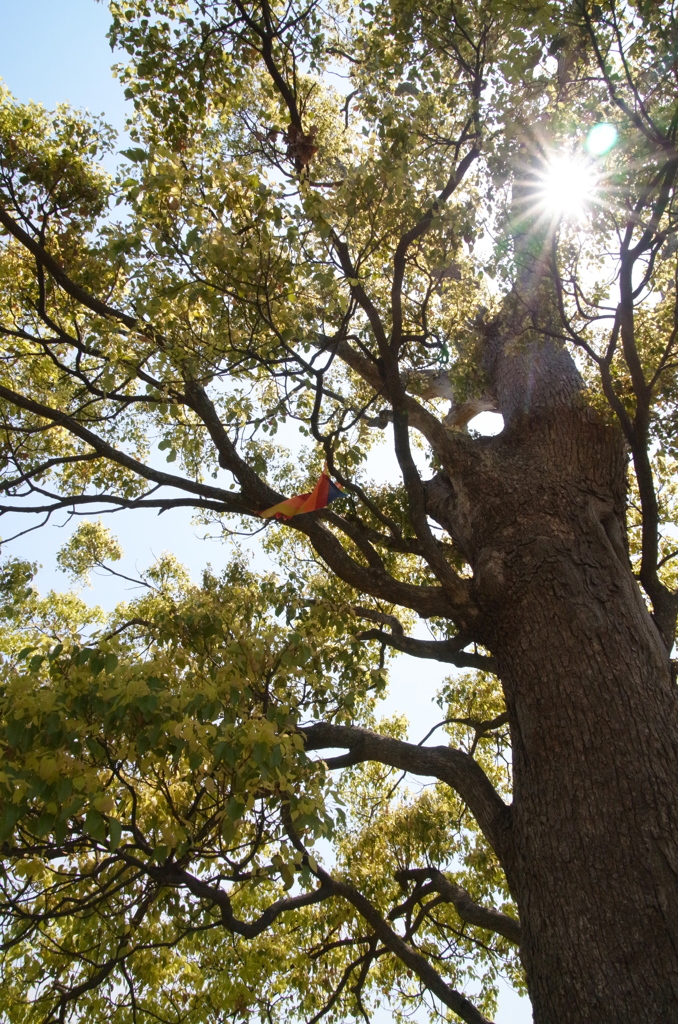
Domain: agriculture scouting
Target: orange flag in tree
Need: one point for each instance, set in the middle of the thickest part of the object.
(322, 494)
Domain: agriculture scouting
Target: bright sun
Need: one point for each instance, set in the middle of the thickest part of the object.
(568, 186)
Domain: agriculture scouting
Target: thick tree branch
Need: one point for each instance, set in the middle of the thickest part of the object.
(58, 274)
(229, 500)
(419, 418)
(427, 601)
(468, 910)
(419, 229)
(448, 651)
(381, 617)
(256, 490)
(266, 35)
(455, 768)
(172, 874)
(373, 579)
(458, 1003)
(74, 500)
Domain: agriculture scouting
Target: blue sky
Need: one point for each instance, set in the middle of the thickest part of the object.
(55, 51)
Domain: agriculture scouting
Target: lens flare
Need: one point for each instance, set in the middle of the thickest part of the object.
(601, 139)
(568, 187)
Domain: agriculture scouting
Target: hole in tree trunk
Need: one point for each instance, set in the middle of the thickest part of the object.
(488, 423)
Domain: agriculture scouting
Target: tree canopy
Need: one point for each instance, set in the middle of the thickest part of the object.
(334, 220)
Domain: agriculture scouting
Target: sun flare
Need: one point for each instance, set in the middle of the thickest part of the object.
(568, 187)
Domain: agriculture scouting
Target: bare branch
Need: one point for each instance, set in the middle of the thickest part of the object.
(456, 1002)
(427, 601)
(115, 455)
(455, 768)
(172, 874)
(449, 651)
(468, 910)
(376, 616)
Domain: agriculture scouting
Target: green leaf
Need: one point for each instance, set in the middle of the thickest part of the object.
(114, 833)
(111, 662)
(97, 663)
(135, 154)
(406, 89)
(95, 747)
(8, 819)
(95, 825)
(234, 809)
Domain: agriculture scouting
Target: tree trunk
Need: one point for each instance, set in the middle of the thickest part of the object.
(594, 849)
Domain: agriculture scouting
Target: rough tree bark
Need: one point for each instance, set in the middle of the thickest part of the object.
(592, 857)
